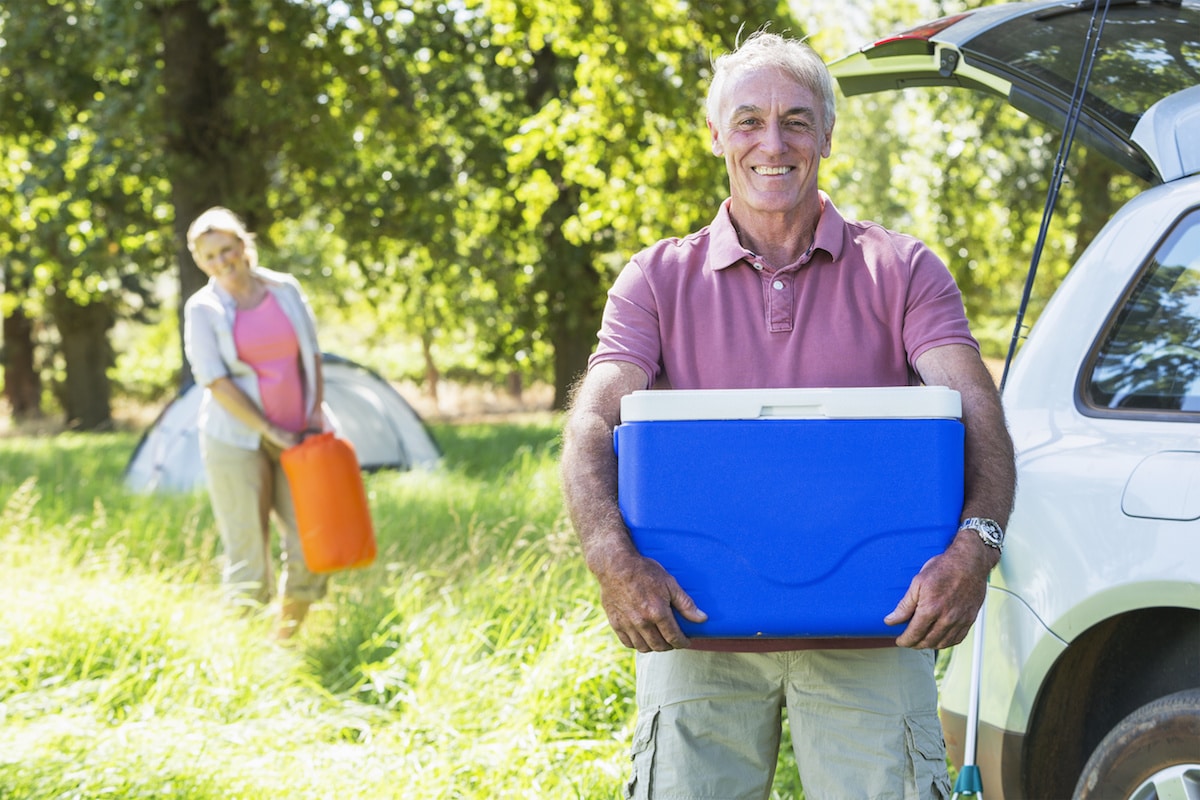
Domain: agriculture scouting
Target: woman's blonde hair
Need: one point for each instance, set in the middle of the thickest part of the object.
(222, 219)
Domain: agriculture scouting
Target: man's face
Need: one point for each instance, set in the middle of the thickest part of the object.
(771, 132)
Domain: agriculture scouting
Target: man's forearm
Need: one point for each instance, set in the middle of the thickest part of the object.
(589, 464)
(589, 483)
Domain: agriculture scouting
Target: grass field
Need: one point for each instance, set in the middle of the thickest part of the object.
(470, 661)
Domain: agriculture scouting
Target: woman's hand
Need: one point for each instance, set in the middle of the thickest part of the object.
(279, 438)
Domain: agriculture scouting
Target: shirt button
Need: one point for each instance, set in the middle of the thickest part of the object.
(778, 284)
(758, 267)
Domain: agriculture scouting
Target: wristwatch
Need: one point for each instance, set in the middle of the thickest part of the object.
(990, 532)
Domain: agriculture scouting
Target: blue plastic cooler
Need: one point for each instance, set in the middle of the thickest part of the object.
(792, 512)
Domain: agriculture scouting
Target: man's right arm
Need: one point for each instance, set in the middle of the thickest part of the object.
(638, 595)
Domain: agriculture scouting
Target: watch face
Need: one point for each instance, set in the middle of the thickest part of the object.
(988, 530)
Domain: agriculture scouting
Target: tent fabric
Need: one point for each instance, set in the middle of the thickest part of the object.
(385, 431)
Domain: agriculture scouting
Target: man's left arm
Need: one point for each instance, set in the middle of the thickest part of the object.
(944, 598)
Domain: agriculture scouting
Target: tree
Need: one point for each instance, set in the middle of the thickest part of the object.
(210, 153)
(542, 143)
(22, 382)
(257, 106)
(610, 151)
(83, 226)
(128, 126)
(465, 179)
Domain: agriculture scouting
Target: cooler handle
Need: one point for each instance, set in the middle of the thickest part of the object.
(793, 410)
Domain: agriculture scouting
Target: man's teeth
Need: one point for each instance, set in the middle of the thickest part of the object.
(772, 170)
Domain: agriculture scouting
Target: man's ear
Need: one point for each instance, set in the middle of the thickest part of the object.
(715, 139)
(828, 148)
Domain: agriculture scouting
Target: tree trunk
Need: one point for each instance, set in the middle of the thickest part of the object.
(575, 311)
(85, 394)
(577, 299)
(432, 375)
(571, 352)
(22, 384)
(212, 159)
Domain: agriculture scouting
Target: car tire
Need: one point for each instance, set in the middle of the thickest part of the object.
(1153, 751)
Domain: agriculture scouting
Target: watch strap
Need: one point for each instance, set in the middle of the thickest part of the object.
(988, 530)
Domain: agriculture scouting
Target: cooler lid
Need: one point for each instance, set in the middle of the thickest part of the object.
(888, 402)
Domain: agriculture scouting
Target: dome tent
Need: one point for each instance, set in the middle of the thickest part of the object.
(386, 432)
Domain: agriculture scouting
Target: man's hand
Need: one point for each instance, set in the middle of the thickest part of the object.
(944, 598)
(638, 596)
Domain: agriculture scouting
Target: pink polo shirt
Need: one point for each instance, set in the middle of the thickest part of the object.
(703, 312)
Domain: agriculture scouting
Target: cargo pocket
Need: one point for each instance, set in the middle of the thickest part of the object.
(641, 754)
(927, 755)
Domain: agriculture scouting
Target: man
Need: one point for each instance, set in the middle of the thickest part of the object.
(779, 291)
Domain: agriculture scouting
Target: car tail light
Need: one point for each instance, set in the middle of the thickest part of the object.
(923, 32)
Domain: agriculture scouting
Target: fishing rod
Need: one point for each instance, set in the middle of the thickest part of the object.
(969, 781)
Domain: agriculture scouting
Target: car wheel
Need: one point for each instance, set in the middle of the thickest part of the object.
(1153, 753)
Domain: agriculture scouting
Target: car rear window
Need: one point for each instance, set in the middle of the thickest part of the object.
(1158, 44)
(1150, 360)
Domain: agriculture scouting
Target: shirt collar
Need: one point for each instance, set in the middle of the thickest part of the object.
(725, 250)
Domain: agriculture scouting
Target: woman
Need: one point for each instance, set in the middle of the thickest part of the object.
(251, 340)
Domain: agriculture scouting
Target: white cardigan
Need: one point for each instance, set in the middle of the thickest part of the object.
(208, 342)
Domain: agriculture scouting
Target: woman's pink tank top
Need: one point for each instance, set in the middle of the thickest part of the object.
(266, 341)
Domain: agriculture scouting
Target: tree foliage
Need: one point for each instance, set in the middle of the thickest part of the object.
(87, 203)
(969, 175)
(455, 183)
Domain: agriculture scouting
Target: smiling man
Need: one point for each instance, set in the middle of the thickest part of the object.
(781, 291)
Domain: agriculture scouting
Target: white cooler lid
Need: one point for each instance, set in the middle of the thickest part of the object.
(888, 402)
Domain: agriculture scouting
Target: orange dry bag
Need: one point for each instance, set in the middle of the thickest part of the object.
(331, 503)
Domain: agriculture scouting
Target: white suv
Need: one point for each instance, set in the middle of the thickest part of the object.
(1091, 658)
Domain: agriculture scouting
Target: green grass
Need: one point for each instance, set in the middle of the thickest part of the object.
(470, 661)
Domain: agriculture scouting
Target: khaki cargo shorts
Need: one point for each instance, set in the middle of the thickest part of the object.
(864, 724)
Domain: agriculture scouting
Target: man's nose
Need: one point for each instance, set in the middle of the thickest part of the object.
(773, 140)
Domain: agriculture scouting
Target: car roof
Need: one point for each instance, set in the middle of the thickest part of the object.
(1141, 107)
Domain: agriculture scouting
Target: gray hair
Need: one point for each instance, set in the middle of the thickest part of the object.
(793, 56)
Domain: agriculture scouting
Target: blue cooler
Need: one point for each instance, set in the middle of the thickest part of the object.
(792, 513)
